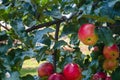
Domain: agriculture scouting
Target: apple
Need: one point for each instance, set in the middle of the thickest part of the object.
(72, 71)
(110, 64)
(111, 52)
(45, 69)
(87, 34)
(108, 78)
(56, 76)
(99, 76)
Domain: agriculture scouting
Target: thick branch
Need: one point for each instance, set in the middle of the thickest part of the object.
(47, 24)
(4, 27)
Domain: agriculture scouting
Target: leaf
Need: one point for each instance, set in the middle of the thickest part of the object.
(3, 35)
(55, 13)
(28, 54)
(94, 65)
(108, 9)
(28, 77)
(74, 39)
(4, 47)
(43, 2)
(39, 34)
(19, 28)
(41, 53)
(69, 29)
(13, 76)
(86, 74)
(115, 74)
(45, 40)
(59, 44)
(105, 35)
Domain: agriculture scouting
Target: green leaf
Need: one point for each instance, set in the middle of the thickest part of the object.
(43, 2)
(45, 40)
(13, 76)
(74, 39)
(55, 13)
(39, 34)
(109, 9)
(94, 65)
(86, 74)
(59, 44)
(115, 75)
(28, 77)
(105, 35)
(3, 35)
(28, 54)
(69, 29)
(19, 28)
(41, 53)
(4, 47)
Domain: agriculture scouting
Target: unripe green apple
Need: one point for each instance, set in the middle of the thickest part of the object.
(87, 34)
(56, 76)
(72, 71)
(111, 52)
(110, 64)
(45, 69)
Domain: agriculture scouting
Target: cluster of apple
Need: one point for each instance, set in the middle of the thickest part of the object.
(88, 36)
(71, 71)
(111, 53)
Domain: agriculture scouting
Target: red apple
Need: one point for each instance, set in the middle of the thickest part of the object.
(110, 64)
(111, 52)
(45, 69)
(72, 71)
(87, 34)
(99, 76)
(108, 78)
(56, 76)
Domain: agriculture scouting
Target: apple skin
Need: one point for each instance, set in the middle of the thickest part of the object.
(56, 76)
(87, 34)
(45, 69)
(111, 52)
(72, 71)
(111, 64)
(99, 76)
(108, 78)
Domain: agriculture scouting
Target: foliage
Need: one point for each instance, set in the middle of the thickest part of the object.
(30, 26)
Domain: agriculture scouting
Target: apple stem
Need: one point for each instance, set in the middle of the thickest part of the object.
(55, 51)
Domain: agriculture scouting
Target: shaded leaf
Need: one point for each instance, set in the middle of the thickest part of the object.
(13, 76)
(39, 34)
(105, 35)
(58, 44)
(115, 74)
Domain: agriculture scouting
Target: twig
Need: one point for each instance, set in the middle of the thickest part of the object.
(4, 27)
(47, 24)
(55, 52)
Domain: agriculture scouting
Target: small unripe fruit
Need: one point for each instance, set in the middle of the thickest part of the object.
(72, 71)
(45, 69)
(111, 52)
(56, 76)
(87, 34)
(110, 64)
